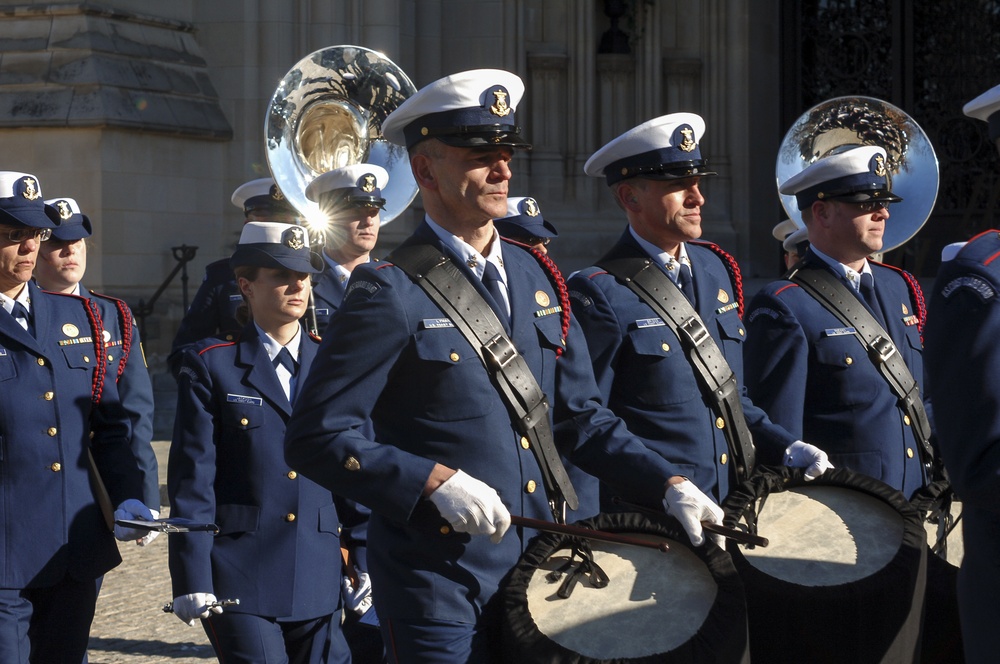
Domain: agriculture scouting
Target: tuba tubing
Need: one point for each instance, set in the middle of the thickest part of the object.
(845, 122)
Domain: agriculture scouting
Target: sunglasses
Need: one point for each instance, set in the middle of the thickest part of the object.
(872, 206)
(544, 241)
(19, 235)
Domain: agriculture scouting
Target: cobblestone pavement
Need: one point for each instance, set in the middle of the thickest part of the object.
(130, 626)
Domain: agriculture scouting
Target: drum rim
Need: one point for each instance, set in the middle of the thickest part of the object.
(729, 606)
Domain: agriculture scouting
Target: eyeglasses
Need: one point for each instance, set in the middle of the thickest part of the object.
(19, 235)
(544, 241)
(872, 206)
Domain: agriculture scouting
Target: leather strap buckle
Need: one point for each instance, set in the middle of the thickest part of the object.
(499, 352)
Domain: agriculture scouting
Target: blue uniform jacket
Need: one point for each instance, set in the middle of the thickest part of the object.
(390, 355)
(278, 547)
(963, 370)
(135, 389)
(646, 378)
(817, 381)
(51, 523)
(212, 312)
(328, 293)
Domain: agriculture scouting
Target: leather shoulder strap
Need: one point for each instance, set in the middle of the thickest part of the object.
(445, 284)
(715, 377)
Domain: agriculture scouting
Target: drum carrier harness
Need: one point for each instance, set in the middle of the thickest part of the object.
(935, 498)
(714, 375)
(447, 287)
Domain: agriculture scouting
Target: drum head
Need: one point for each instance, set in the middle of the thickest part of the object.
(654, 602)
(685, 605)
(825, 536)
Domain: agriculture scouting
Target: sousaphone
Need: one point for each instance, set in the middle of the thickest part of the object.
(844, 122)
(327, 112)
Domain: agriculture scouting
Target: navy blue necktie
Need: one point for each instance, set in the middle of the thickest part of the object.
(284, 358)
(494, 284)
(685, 281)
(20, 311)
(871, 299)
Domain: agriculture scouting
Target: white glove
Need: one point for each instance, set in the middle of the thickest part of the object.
(195, 605)
(357, 599)
(152, 534)
(686, 503)
(132, 509)
(471, 506)
(810, 457)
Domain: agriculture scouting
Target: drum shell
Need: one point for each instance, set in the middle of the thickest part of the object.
(873, 619)
(722, 636)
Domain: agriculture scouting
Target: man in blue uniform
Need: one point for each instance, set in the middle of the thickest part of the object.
(641, 359)
(806, 367)
(61, 424)
(963, 362)
(278, 545)
(213, 310)
(61, 265)
(446, 464)
(524, 222)
(351, 197)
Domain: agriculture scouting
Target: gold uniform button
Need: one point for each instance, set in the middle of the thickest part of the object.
(292, 474)
(41, 361)
(454, 356)
(849, 360)
(86, 359)
(906, 420)
(244, 421)
(111, 358)
(530, 486)
(229, 337)
(352, 464)
(91, 435)
(665, 346)
(289, 517)
(909, 452)
(524, 442)
(340, 529)
(53, 431)
(56, 467)
(742, 332)
(720, 423)
(445, 530)
(724, 458)
(48, 396)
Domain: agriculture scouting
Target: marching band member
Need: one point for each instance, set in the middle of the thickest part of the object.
(447, 465)
(643, 368)
(278, 545)
(962, 365)
(61, 426)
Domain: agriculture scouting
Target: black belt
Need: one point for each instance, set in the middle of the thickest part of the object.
(444, 282)
(715, 377)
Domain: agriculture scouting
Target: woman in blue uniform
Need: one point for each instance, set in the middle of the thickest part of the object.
(277, 549)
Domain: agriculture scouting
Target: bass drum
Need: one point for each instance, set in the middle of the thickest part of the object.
(844, 575)
(684, 605)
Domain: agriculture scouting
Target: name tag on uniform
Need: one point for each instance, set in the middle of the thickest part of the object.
(3, 352)
(435, 323)
(649, 322)
(323, 312)
(241, 398)
(235, 298)
(838, 331)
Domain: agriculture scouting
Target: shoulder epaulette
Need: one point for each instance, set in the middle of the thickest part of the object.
(221, 345)
(125, 324)
(735, 276)
(558, 283)
(916, 296)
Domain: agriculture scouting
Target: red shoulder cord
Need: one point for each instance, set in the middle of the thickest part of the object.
(97, 335)
(735, 276)
(125, 322)
(916, 296)
(558, 283)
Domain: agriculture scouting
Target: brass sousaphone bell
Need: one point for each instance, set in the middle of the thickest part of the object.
(327, 112)
(841, 123)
